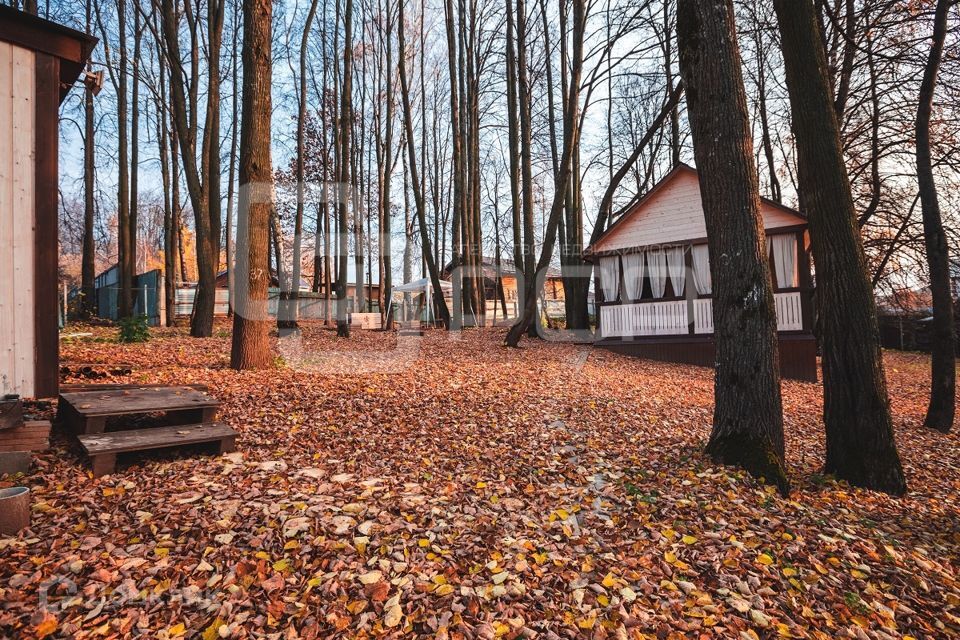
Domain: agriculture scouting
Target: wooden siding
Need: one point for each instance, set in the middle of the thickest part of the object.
(17, 220)
(674, 214)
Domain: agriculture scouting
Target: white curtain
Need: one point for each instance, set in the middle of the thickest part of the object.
(701, 269)
(675, 265)
(657, 269)
(610, 277)
(785, 259)
(633, 275)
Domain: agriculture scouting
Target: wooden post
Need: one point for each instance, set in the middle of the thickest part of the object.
(806, 280)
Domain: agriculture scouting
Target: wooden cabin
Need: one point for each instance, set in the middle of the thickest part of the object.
(655, 280)
(39, 62)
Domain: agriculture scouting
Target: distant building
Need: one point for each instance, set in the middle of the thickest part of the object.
(657, 294)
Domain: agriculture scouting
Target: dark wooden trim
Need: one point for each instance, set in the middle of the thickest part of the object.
(72, 47)
(46, 247)
(798, 351)
(776, 231)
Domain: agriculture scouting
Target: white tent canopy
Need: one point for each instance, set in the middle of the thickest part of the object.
(423, 285)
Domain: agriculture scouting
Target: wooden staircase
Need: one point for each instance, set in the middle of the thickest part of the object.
(114, 419)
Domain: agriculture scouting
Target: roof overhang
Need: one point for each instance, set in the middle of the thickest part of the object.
(72, 47)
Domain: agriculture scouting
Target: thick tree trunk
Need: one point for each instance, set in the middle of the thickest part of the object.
(251, 325)
(943, 387)
(748, 416)
(860, 442)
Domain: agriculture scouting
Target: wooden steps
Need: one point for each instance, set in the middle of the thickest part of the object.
(109, 420)
(102, 448)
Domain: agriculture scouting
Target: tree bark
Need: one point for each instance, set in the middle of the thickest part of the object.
(943, 387)
(88, 268)
(251, 324)
(748, 414)
(343, 188)
(860, 442)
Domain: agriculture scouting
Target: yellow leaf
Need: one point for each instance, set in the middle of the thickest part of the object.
(47, 626)
(281, 565)
(670, 557)
(176, 630)
(783, 631)
(162, 552)
(357, 606)
(423, 542)
(689, 539)
(609, 581)
(764, 559)
(444, 590)
(789, 572)
(213, 631)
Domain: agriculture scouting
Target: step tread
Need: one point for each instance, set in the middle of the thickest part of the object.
(143, 400)
(155, 438)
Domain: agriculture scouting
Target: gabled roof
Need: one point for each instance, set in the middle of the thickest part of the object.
(637, 208)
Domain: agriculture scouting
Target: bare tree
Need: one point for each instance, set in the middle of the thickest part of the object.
(860, 443)
(940, 412)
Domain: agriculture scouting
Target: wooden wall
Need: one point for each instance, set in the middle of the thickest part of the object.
(17, 220)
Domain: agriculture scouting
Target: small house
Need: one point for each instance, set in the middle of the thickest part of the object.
(655, 285)
(39, 63)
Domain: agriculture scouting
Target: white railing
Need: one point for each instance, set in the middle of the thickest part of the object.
(703, 315)
(644, 319)
(789, 311)
(789, 308)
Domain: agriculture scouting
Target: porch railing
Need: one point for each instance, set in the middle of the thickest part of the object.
(644, 319)
(670, 318)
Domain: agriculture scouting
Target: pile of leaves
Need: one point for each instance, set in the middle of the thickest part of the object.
(449, 487)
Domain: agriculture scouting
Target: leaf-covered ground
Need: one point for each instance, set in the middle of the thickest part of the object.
(452, 487)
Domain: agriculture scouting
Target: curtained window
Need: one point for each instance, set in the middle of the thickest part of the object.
(701, 269)
(633, 275)
(784, 248)
(675, 266)
(657, 270)
(610, 277)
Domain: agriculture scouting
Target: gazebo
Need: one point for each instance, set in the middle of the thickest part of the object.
(423, 287)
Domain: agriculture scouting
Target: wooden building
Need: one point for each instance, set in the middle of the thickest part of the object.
(655, 279)
(39, 62)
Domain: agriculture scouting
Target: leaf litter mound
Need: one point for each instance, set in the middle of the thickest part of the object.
(461, 489)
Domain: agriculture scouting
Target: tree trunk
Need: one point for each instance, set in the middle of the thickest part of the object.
(251, 346)
(438, 300)
(343, 195)
(88, 267)
(748, 415)
(125, 266)
(860, 442)
(571, 141)
(942, 408)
